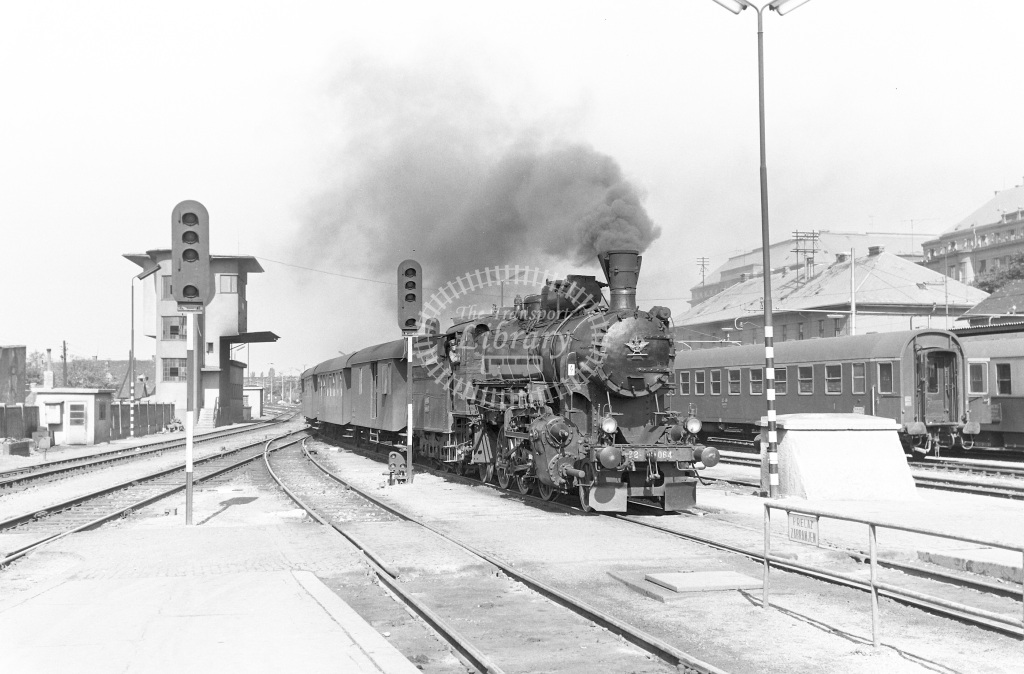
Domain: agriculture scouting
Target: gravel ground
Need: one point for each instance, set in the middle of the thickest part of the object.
(812, 626)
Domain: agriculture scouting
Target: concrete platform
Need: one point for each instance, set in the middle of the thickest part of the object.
(252, 622)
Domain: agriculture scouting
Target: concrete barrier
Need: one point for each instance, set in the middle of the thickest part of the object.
(849, 457)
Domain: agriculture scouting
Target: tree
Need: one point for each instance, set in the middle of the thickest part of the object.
(1014, 270)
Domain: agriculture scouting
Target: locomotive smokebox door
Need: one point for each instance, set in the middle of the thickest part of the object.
(396, 467)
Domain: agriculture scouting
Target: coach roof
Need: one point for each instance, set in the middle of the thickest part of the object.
(863, 347)
(387, 351)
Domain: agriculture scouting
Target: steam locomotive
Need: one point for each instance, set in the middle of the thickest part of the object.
(563, 392)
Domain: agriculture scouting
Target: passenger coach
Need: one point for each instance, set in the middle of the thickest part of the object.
(917, 378)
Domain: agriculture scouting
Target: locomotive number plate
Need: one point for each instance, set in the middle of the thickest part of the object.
(656, 454)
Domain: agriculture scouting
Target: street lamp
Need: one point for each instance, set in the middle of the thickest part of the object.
(782, 7)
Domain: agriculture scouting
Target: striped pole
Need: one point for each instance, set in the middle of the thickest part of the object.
(766, 261)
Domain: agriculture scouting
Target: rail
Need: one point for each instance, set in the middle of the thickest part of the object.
(876, 585)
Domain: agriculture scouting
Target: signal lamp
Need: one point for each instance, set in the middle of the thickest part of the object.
(191, 275)
(410, 300)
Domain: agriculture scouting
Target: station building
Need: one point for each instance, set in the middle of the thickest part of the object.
(889, 292)
(983, 242)
(223, 325)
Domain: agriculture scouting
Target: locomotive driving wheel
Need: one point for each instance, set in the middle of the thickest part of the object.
(524, 482)
(505, 476)
(546, 492)
(585, 498)
(485, 471)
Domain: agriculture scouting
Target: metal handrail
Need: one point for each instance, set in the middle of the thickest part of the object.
(874, 584)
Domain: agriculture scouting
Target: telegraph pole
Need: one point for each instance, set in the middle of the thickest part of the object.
(64, 357)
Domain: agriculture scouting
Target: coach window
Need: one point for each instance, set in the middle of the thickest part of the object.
(684, 382)
(716, 382)
(781, 381)
(833, 379)
(805, 379)
(859, 378)
(734, 382)
(698, 382)
(385, 379)
(885, 377)
(977, 378)
(756, 381)
(1004, 386)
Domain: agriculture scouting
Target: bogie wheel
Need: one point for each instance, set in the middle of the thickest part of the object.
(485, 471)
(504, 477)
(585, 498)
(524, 482)
(546, 492)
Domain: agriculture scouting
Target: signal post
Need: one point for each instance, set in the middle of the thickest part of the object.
(410, 306)
(192, 287)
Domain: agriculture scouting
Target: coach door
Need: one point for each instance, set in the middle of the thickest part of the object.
(939, 387)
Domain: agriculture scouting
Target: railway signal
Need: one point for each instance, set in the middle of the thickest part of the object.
(410, 305)
(191, 276)
(410, 296)
(192, 287)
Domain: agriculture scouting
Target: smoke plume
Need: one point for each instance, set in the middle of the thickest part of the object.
(435, 169)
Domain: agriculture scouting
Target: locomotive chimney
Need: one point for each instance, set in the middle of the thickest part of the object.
(621, 268)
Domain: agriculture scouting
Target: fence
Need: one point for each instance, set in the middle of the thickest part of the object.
(874, 584)
(18, 421)
(149, 418)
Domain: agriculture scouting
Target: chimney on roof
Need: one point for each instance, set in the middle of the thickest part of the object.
(841, 257)
(875, 250)
(743, 278)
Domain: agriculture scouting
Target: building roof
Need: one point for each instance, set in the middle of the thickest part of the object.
(991, 212)
(829, 244)
(1006, 301)
(882, 279)
(246, 263)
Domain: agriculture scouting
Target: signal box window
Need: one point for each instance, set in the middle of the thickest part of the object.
(859, 378)
(173, 327)
(800, 331)
(698, 382)
(174, 369)
(716, 382)
(229, 283)
(756, 381)
(781, 383)
(734, 382)
(977, 378)
(166, 292)
(805, 379)
(783, 333)
(885, 377)
(821, 328)
(833, 379)
(684, 382)
(1004, 386)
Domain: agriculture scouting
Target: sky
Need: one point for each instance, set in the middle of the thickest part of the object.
(332, 140)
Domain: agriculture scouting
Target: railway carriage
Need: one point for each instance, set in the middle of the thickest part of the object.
(917, 378)
(995, 388)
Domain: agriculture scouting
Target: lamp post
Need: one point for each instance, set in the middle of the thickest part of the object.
(782, 7)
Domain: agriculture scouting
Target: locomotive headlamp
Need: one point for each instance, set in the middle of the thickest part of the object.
(609, 425)
(610, 457)
(693, 425)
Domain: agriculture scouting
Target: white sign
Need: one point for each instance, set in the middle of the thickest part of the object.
(803, 528)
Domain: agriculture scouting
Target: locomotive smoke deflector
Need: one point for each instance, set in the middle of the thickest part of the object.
(621, 268)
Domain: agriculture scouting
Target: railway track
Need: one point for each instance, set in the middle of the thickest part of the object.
(14, 480)
(120, 500)
(928, 573)
(334, 502)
